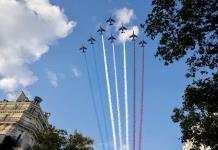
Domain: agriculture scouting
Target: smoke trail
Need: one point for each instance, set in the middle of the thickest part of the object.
(134, 97)
(100, 94)
(125, 95)
(142, 101)
(117, 97)
(109, 96)
(94, 102)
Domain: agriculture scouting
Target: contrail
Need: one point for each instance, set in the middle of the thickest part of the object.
(109, 95)
(94, 102)
(142, 100)
(100, 94)
(117, 97)
(134, 97)
(125, 95)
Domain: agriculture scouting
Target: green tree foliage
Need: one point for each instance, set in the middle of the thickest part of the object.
(189, 29)
(186, 28)
(50, 139)
(198, 116)
(58, 139)
(78, 142)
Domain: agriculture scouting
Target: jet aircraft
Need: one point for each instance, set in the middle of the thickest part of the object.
(91, 40)
(83, 49)
(101, 30)
(142, 43)
(110, 21)
(112, 38)
(133, 36)
(122, 29)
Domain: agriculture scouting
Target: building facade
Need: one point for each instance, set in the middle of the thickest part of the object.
(21, 120)
(188, 146)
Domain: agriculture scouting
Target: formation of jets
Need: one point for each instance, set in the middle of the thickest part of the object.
(122, 30)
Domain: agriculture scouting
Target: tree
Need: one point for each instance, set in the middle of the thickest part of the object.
(50, 139)
(78, 142)
(198, 116)
(58, 139)
(189, 29)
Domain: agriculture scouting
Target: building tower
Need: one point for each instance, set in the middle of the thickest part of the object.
(22, 119)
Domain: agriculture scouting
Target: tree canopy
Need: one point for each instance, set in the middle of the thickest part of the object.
(58, 139)
(76, 141)
(198, 116)
(186, 28)
(189, 29)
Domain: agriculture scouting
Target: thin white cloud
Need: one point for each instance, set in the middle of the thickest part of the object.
(27, 29)
(8, 83)
(76, 72)
(54, 78)
(124, 16)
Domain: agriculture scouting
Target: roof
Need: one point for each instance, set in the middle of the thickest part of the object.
(22, 97)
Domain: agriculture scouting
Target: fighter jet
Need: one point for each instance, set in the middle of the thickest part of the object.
(101, 30)
(142, 43)
(91, 40)
(110, 21)
(112, 38)
(122, 29)
(83, 48)
(133, 36)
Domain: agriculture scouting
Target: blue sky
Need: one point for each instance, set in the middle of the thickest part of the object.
(67, 98)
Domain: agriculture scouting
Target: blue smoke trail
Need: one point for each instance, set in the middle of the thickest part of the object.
(100, 94)
(94, 102)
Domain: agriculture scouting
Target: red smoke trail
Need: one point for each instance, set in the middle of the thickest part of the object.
(142, 101)
(134, 98)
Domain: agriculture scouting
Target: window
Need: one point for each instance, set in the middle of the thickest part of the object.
(31, 110)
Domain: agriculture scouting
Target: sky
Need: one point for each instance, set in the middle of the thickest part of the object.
(39, 53)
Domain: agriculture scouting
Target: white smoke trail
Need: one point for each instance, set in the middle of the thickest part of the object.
(109, 95)
(125, 95)
(117, 97)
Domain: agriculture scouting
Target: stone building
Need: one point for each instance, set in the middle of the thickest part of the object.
(188, 146)
(21, 120)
